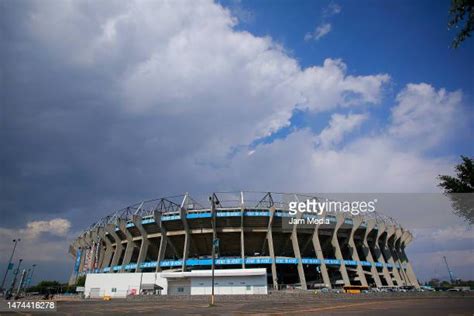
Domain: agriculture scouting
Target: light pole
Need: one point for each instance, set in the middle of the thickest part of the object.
(214, 201)
(14, 277)
(20, 285)
(9, 267)
(31, 275)
(25, 282)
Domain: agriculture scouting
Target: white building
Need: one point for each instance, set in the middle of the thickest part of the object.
(227, 282)
(198, 282)
(121, 284)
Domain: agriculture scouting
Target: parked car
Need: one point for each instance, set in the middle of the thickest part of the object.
(426, 288)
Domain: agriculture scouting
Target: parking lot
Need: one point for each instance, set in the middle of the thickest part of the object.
(281, 303)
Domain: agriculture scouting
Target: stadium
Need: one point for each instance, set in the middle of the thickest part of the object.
(173, 237)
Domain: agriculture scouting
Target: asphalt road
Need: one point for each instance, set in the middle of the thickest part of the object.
(432, 304)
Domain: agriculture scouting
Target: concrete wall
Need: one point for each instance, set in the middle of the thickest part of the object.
(179, 287)
(235, 285)
(123, 284)
(120, 285)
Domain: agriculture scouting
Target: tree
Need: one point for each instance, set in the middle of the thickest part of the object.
(52, 287)
(461, 11)
(45, 287)
(81, 281)
(445, 284)
(434, 282)
(463, 182)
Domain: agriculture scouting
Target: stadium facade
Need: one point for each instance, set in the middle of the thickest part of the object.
(175, 234)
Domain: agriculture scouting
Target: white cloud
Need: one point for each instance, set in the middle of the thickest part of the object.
(319, 32)
(190, 83)
(380, 162)
(445, 234)
(40, 240)
(329, 85)
(332, 9)
(424, 115)
(57, 226)
(34, 229)
(193, 61)
(366, 164)
(206, 88)
(243, 14)
(338, 126)
(324, 27)
(308, 36)
(322, 30)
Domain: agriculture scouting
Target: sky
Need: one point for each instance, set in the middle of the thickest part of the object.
(108, 103)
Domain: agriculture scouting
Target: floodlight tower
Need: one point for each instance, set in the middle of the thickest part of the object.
(451, 275)
(9, 266)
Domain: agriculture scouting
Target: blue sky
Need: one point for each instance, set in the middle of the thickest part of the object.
(407, 39)
(109, 103)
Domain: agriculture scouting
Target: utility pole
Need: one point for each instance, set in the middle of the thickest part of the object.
(10, 266)
(214, 201)
(451, 275)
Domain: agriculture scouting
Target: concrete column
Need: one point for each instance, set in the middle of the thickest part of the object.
(163, 240)
(398, 261)
(373, 269)
(271, 248)
(319, 254)
(242, 232)
(83, 246)
(137, 220)
(110, 228)
(380, 258)
(122, 225)
(73, 251)
(297, 252)
(356, 221)
(100, 246)
(187, 237)
(72, 277)
(388, 253)
(337, 248)
(162, 251)
(96, 241)
(88, 239)
(109, 250)
(406, 239)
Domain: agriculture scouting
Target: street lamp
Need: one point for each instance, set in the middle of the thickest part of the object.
(214, 201)
(9, 267)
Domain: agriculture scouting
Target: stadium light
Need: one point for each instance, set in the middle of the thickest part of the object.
(15, 275)
(30, 278)
(10, 265)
